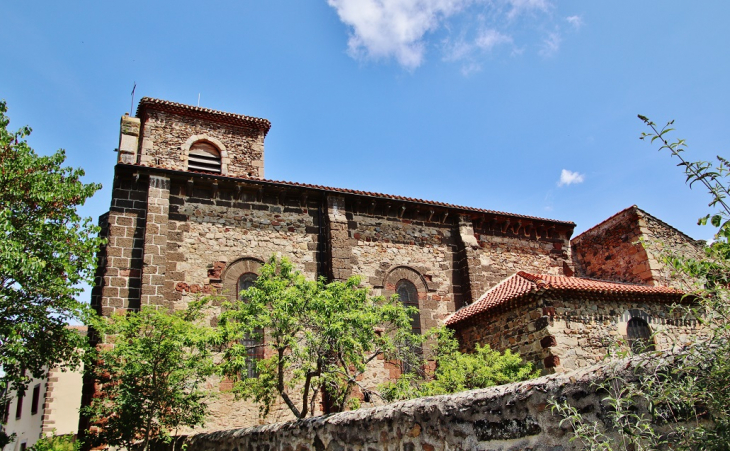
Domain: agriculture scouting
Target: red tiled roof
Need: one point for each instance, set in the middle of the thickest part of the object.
(181, 108)
(356, 192)
(522, 284)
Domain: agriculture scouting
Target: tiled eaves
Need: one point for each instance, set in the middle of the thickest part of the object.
(328, 189)
(520, 288)
(204, 113)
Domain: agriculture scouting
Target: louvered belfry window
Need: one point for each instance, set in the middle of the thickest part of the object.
(204, 157)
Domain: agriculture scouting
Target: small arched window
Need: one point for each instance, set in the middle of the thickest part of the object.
(408, 295)
(639, 334)
(204, 156)
(254, 342)
(246, 281)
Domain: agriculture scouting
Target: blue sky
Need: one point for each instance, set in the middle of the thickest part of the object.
(483, 103)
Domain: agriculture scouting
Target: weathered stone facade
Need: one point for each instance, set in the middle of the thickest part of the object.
(625, 248)
(560, 332)
(175, 234)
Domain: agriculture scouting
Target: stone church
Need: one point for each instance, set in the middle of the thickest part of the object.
(192, 213)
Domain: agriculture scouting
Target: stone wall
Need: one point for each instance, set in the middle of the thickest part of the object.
(118, 278)
(563, 332)
(584, 330)
(173, 237)
(505, 418)
(661, 237)
(165, 139)
(506, 246)
(521, 328)
(613, 250)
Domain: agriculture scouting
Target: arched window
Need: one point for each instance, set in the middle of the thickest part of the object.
(639, 335)
(408, 295)
(246, 281)
(204, 156)
(254, 342)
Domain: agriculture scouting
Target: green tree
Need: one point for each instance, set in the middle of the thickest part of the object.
(456, 371)
(55, 442)
(46, 251)
(150, 369)
(318, 337)
(678, 401)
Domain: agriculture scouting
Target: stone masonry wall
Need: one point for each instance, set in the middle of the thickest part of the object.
(506, 418)
(508, 246)
(561, 333)
(387, 248)
(164, 136)
(520, 329)
(584, 330)
(174, 236)
(612, 251)
(662, 237)
(118, 278)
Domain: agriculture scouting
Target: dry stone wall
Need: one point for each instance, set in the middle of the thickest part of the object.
(505, 418)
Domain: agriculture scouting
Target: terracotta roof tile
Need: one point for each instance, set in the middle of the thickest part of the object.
(522, 284)
(181, 108)
(357, 192)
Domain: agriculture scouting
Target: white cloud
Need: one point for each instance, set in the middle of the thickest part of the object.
(468, 30)
(468, 51)
(575, 21)
(550, 44)
(569, 177)
(489, 38)
(522, 6)
(393, 28)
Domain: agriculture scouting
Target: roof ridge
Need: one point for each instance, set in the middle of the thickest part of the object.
(666, 224)
(602, 222)
(144, 101)
(504, 281)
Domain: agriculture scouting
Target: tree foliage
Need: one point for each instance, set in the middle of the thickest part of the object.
(317, 337)
(683, 403)
(46, 250)
(456, 371)
(150, 371)
(55, 442)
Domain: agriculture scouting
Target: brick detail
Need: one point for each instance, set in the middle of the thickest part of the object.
(155, 241)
